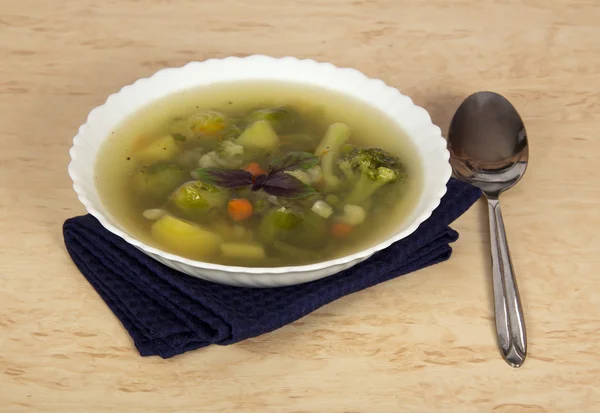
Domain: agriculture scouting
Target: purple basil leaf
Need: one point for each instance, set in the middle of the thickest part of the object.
(287, 186)
(259, 181)
(293, 161)
(227, 178)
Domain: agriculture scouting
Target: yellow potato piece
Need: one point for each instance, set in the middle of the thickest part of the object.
(183, 238)
(242, 250)
(160, 149)
(259, 135)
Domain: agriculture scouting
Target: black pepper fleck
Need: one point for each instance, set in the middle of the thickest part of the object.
(129, 158)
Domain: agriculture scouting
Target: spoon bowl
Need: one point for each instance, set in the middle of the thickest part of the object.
(488, 143)
(488, 148)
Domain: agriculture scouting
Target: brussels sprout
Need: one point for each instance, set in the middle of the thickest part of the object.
(284, 224)
(198, 197)
(207, 123)
(286, 219)
(279, 118)
(277, 223)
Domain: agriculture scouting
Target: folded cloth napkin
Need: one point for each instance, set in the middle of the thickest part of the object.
(168, 313)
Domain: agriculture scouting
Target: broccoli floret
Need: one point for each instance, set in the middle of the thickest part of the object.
(346, 167)
(369, 169)
(227, 155)
(329, 151)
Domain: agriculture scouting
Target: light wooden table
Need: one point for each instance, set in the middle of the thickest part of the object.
(421, 343)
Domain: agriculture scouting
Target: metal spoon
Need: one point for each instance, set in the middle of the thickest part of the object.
(488, 148)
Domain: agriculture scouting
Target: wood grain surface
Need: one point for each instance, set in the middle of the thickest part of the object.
(421, 343)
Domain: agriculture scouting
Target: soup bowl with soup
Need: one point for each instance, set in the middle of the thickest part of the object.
(259, 171)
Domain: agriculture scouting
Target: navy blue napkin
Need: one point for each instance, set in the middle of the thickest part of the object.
(168, 313)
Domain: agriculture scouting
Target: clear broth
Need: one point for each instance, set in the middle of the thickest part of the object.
(320, 107)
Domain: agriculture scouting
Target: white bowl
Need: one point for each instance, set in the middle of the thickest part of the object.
(414, 120)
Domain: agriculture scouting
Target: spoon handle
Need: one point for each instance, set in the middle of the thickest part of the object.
(510, 324)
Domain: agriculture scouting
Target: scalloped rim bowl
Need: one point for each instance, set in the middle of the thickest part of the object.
(412, 119)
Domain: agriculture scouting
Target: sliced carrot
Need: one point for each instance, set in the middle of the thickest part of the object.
(340, 230)
(254, 169)
(239, 209)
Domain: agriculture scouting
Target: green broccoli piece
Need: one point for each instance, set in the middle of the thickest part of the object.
(368, 169)
(329, 151)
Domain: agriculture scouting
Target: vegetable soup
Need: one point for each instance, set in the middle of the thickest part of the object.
(259, 174)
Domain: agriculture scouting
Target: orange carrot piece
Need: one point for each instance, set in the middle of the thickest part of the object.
(340, 230)
(254, 169)
(239, 209)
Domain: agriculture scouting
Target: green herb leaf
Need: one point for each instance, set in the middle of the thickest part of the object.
(287, 186)
(293, 161)
(179, 137)
(226, 178)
